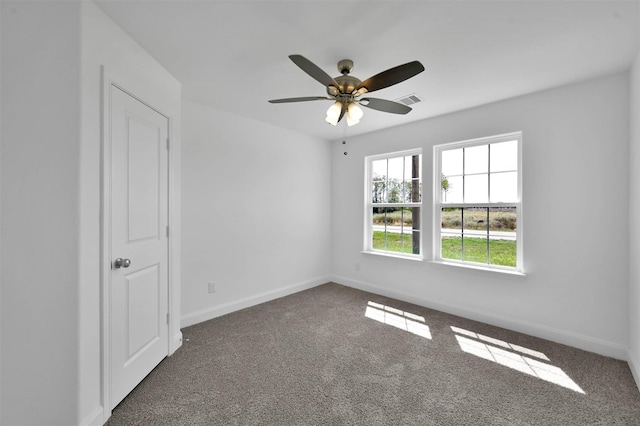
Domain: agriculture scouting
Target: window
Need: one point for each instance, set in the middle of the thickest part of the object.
(394, 199)
(478, 208)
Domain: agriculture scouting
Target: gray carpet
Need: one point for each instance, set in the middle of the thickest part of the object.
(327, 356)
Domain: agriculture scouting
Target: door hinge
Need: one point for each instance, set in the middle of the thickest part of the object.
(167, 231)
(168, 318)
(168, 144)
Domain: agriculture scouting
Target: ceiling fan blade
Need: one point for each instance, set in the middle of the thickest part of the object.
(391, 76)
(313, 70)
(385, 105)
(304, 99)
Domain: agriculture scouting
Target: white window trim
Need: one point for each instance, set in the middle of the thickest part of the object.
(367, 243)
(437, 205)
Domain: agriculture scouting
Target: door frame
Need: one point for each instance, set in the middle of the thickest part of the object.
(173, 300)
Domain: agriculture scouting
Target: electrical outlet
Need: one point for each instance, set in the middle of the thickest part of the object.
(357, 266)
(212, 287)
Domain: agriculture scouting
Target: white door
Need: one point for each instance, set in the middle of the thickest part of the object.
(139, 242)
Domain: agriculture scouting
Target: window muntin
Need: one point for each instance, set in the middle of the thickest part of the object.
(477, 202)
(394, 200)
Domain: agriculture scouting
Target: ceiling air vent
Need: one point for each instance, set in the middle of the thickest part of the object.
(409, 99)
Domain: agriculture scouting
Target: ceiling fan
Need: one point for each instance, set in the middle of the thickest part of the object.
(347, 91)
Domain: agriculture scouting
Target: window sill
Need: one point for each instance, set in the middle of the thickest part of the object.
(393, 256)
(479, 268)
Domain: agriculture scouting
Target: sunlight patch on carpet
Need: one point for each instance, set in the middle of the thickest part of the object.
(397, 318)
(498, 342)
(513, 356)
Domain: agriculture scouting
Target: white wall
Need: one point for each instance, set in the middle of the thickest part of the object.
(0, 216)
(52, 54)
(634, 226)
(255, 209)
(40, 185)
(575, 201)
(104, 43)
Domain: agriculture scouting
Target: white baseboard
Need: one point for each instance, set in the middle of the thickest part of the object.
(94, 419)
(564, 337)
(634, 366)
(236, 305)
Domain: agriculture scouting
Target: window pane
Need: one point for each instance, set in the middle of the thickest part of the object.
(395, 186)
(396, 229)
(378, 191)
(476, 188)
(476, 159)
(378, 216)
(379, 181)
(451, 232)
(475, 249)
(503, 219)
(451, 220)
(416, 191)
(406, 191)
(378, 228)
(502, 234)
(452, 162)
(503, 252)
(395, 191)
(412, 178)
(408, 168)
(504, 187)
(396, 168)
(412, 218)
(379, 240)
(412, 226)
(453, 193)
(379, 169)
(451, 247)
(475, 221)
(407, 242)
(504, 156)
(392, 240)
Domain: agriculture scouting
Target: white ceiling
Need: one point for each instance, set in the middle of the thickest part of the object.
(232, 55)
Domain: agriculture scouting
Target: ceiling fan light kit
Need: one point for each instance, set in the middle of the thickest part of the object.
(346, 91)
(333, 113)
(354, 113)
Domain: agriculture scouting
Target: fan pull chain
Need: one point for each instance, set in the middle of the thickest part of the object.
(344, 138)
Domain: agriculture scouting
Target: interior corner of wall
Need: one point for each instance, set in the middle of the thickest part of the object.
(634, 365)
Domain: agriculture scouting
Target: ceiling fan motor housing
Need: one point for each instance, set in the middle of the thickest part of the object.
(346, 84)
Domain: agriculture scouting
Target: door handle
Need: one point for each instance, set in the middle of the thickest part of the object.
(122, 263)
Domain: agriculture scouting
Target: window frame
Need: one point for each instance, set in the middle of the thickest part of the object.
(438, 204)
(369, 205)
